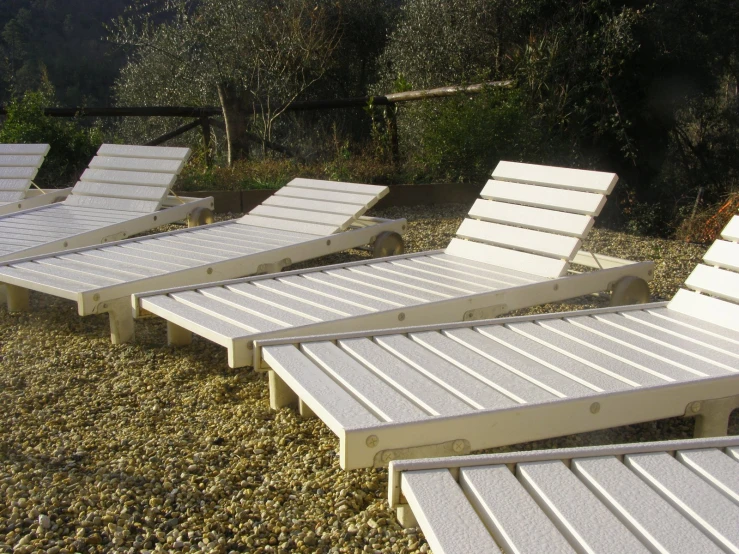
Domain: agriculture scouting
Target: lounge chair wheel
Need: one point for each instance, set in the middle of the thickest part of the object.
(387, 244)
(630, 290)
(200, 216)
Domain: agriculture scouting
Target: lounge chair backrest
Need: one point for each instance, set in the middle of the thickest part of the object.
(532, 218)
(714, 286)
(129, 178)
(19, 164)
(315, 207)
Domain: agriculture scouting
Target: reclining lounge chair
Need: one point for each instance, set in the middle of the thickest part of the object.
(450, 389)
(19, 164)
(511, 252)
(124, 192)
(303, 220)
(680, 497)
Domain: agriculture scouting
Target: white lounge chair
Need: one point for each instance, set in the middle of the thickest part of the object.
(510, 253)
(449, 389)
(303, 220)
(19, 164)
(124, 191)
(680, 497)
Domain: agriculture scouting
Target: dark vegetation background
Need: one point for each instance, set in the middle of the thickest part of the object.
(645, 89)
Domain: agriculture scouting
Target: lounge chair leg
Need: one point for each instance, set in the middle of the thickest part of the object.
(712, 416)
(405, 516)
(280, 395)
(305, 410)
(178, 336)
(121, 320)
(3, 294)
(18, 298)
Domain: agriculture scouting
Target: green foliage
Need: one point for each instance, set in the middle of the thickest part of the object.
(72, 146)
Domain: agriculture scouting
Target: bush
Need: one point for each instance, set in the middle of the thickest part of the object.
(72, 146)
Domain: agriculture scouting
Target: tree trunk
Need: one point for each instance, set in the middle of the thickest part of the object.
(234, 114)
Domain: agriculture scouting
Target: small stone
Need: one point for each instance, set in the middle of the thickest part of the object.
(44, 521)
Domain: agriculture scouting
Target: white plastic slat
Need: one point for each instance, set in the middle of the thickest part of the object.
(354, 188)
(713, 310)
(363, 294)
(376, 394)
(575, 225)
(324, 195)
(24, 149)
(338, 220)
(294, 305)
(701, 332)
(723, 254)
(716, 468)
(714, 281)
(429, 268)
(334, 405)
(246, 319)
(485, 270)
(698, 501)
(576, 179)
(473, 391)
(536, 242)
(307, 286)
(253, 305)
(502, 257)
(332, 303)
(82, 277)
(400, 274)
(11, 196)
(15, 185)
(508, 511)
(423, 391)
(448, 520)
(18, 172)
(129, 151)
(150, 250)
(575, 511)
(733, 452)
(52, 284)
(655, 522)
(119, 204)
(128, 177)
(543, 197)
(121, 191)
(282, 309)
(137, 164)
(87, 266)
(117, 264)
(359, 278)
(731, 231)
(116, 254)
(287, 225)
(20, 161)
(303, 204)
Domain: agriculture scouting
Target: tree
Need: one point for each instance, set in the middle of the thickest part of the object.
(258, 56)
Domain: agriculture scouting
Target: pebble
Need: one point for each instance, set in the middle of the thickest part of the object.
(146, 448)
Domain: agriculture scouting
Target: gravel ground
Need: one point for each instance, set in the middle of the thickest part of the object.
(141, 447)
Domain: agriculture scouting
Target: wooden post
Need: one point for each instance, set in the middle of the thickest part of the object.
(205, 125)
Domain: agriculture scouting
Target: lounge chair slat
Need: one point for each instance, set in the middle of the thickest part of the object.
(116, 265)
(503, 257)
(723, 254)
(157, 244)
(364, 294)
(143, 178)
(442, 508)
(361, 277)
(240, 316)
(570, 201)
(140, 206)
(18, 160)
(698, 501)
(301, 203)
(655, 522)
(84, 277)
(421, 389)
(153, 254)
(469, 388)
(213, 328)
(252, 299)
(137, 164)
(253, 234)
(576, 511)
(519, 388)
(24, 149)
(731, 231)
(134, 192)
(12, 196)
(680, 324)
(87, 264)
(116, 253)
(574, 225)
(355, 188)
(408, 275)
(366, 303)
(427, 268)
(373, 392)
(536, 242)
(473, 267)
(222, 249)
(158, 152)
(320, 301)
(340, 220)
(715, 311)
(307, 311)
(716, 468)
(15, 185)
(23, 173)
(56, 284)
(733, 452)
(715, 281)
(332, 403)
(511, 516)
(322, 195)
(576, 179)
(287, 225)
